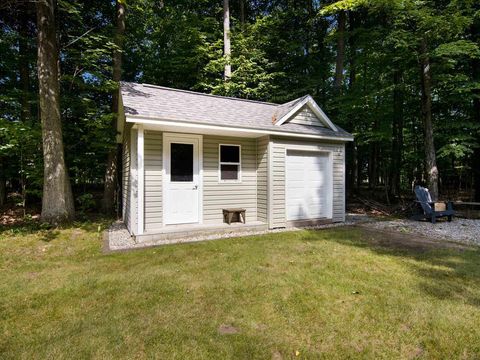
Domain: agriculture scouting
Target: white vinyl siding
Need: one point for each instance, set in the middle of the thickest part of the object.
(126, 178)
(153, 180)
(278, 202)
(133, 182)
(220, 195)
(306, 117)
(262, 178)
(251, 193)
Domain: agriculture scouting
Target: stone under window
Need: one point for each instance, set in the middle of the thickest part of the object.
(230, 164)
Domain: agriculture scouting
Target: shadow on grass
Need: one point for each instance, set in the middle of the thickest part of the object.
(89, 222)
(50, 235)
(447, 270)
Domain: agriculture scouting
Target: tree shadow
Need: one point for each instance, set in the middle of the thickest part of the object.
(50, 235)
(28, 226)
(446, 270)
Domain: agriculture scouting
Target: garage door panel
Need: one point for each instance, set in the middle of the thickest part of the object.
(307, 185)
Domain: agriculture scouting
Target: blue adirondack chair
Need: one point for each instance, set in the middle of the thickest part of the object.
(432, 210)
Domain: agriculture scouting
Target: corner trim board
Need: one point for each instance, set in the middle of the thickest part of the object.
(270, 184)
(141, 179)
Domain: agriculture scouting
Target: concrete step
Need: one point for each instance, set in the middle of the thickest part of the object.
(184, 233)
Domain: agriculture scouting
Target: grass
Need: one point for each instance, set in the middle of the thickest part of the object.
(338, 293)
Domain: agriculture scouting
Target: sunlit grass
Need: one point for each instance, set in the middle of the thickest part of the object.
(333, 293)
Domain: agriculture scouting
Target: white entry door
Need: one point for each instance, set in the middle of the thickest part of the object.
(182, 178)
(308, 185)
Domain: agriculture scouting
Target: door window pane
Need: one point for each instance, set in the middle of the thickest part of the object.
(181, 162)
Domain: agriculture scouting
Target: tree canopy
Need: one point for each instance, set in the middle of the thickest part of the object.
(363, 61)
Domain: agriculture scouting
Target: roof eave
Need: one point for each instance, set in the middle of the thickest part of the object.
(153, 120)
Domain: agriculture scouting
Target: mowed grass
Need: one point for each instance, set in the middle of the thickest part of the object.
(339, 293)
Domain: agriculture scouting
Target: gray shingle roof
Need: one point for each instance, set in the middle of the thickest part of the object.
(188, 106)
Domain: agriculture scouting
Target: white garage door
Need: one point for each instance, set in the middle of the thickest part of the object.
(308, 185)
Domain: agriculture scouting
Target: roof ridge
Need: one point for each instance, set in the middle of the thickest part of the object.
(204, 94)
(294, 101)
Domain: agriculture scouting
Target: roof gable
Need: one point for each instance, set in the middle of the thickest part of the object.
(305, 116)
(304, 111)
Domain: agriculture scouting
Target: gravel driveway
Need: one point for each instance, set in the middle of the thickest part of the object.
(459, 230)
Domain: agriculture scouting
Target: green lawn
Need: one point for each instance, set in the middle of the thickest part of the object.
(334, 293)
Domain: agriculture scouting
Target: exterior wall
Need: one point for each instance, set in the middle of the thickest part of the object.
(133, 202)
(278, 154)
(252, 193)
(153, 166)
(306, 117)
(218, 195)
(262, 179)
(126, 179)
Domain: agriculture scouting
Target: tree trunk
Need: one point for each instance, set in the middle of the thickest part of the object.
(226, 39)
(352, 158)
(430, 154)
(339, 63)
(242, 14)
(476, 114)
(111, 170)
(24, 68)
(373, 165)
(3, 184)
(397, 133)
(476, 152)
(57, 200)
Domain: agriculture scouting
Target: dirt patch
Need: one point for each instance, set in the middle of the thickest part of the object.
(260, 327)
(76, 234)
(415, 353)
(412, 242)
(16, 216)
(276, 355)
(32, 275)
(227, 329)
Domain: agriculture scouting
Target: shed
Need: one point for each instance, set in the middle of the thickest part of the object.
(187, 156)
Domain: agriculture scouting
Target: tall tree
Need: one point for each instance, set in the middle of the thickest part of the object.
(397, 131)
(242, 14)
(3, 184)
(475, 32)
(23, 63)
(57, 199)
(226, 39)
(111, 170)
(426, 101)
(340, 59)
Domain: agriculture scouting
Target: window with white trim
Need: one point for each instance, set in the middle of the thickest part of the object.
(230, 163)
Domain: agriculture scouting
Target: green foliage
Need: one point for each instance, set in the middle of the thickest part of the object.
(284, 50)
(253, 76)
(20, 152)
(85, 202)
(458, 48)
